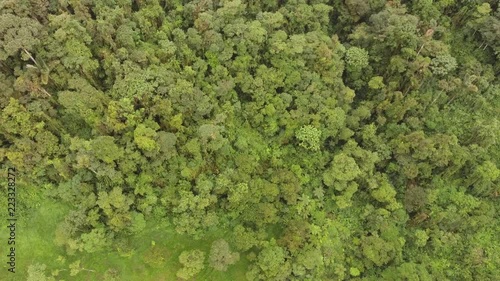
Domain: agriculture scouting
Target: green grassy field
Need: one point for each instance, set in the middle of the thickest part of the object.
(35, 244)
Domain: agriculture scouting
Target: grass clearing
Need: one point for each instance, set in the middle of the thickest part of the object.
(34, 244)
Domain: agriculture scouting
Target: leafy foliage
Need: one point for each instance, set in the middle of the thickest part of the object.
(322, 140)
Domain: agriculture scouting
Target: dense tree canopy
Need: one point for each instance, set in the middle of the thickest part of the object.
(298, 140)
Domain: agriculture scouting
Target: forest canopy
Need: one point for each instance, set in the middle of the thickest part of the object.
(254, 140)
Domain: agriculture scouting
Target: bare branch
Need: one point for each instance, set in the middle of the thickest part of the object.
(31, 57)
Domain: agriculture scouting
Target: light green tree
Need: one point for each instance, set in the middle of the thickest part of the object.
(356, 58)
(309, 137)
(192, 263)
